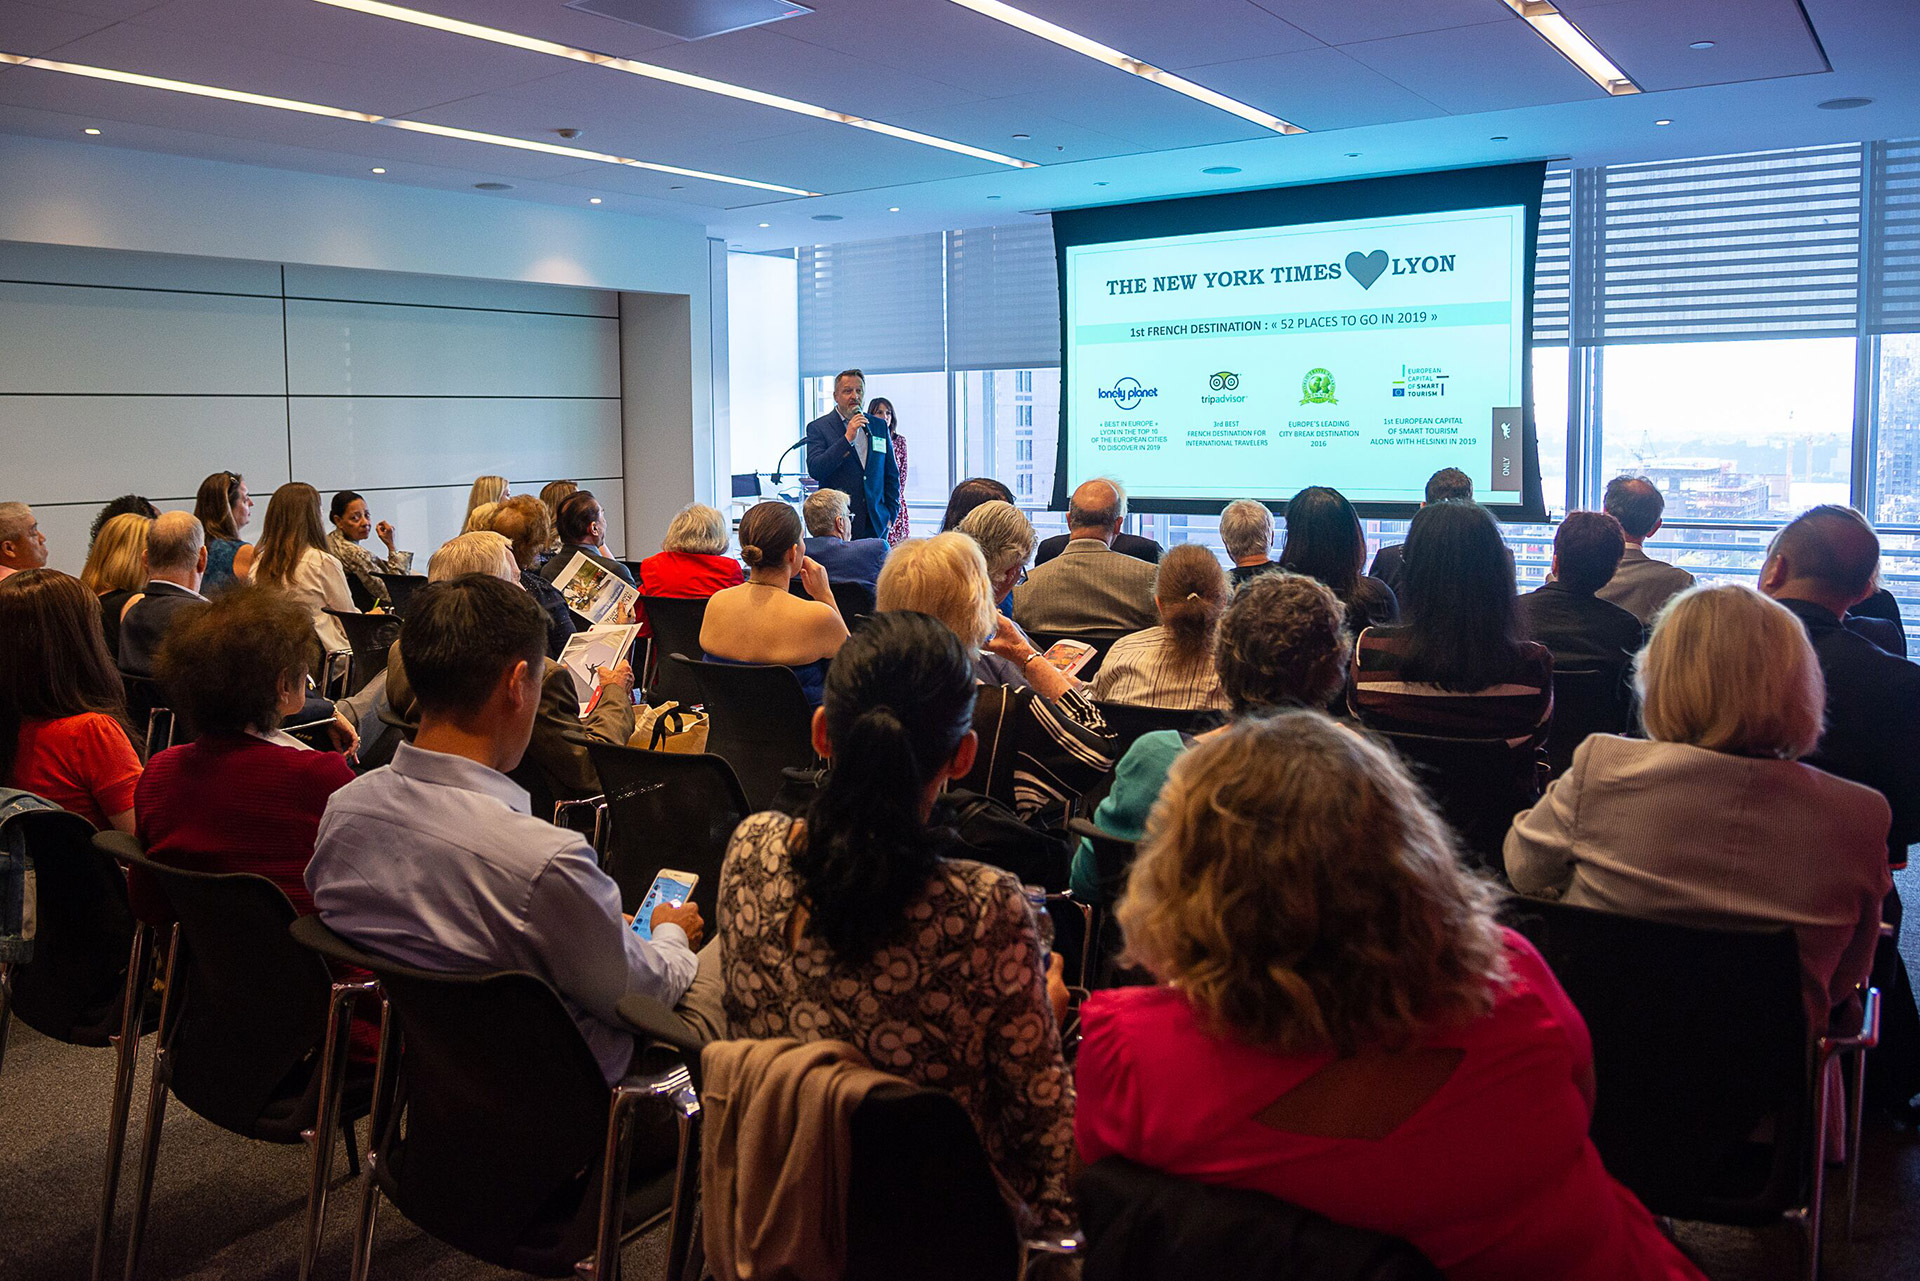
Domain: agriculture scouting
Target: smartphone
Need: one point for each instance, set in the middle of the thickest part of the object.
(1069, 655)
(668, 887)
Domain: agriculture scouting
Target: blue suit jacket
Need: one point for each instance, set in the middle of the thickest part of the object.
(850, 562)
(832, 462)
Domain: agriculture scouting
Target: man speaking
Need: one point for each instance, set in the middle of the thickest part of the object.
(852, 453)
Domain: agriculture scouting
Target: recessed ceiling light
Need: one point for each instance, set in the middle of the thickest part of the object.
(91, 133)
(1498, 137)
(593, 200)
(766, 224)
(1221, 169)
(1844, 104)
(1552, 26)
(367, 118)
(893, 208)
(676, 187)
(378, 169)
(826, 217)
(493, 186)
(1082, 45)
(1022, 135)
(653, 71)
(1663, 122)
(1701, 44)
(1352, 154)
(993, 197)
(1099, 184)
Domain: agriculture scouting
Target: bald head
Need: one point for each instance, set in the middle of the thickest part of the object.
(1096, 510)
(1828, 555)
(176, 549)
(1637, 504)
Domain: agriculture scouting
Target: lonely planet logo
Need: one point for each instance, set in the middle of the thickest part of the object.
(1128, 393)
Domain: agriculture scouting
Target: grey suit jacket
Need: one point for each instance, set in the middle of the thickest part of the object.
(1088, 587)
(1642, 584)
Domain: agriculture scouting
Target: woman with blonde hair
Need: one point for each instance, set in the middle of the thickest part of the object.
(480, 519)
(486, 489)
(1006, 539)
(1343, 1024)
(1171, 663)
(292, 556)
(761, 621)
(116, 570)
(1713, 819)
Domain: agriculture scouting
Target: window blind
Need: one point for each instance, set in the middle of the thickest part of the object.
(875, 305)
(1550, 260)
(1003, 297)
(1892, 287)
(1763, 245)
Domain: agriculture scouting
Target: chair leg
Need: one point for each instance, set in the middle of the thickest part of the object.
(605, 1264)
(686, 1193)
(1859, 1102)
(6, 1007)
(333, 1063)
(1817, 1197)
(384, 1070)
(126, 1045)
(156, 1108)
(352, 1140)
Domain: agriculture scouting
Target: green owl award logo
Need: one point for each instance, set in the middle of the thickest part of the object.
(1317, 388)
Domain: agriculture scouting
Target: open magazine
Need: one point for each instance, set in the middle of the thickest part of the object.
(587, 652)
(595, 592)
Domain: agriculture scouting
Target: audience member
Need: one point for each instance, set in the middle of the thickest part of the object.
(1171, 663)
(486, 489)
(223, 507)
(854, 925)
(1343, 1024)
(352, 522)
(1246, 531)
(1043, 742)
(1583, 632)
(761, 621)
(63, 733)
(1283, 644)
(1716, 821)
(692, 563)
(1006, 539)
(485, 885)
(1090, 587)
(176, 568)
(1641, 585)
(1126, 544)
(552, 494)
(1325, 541)
(116, 570)
(969, 494)
(830, 541)
(882, 408)
(1448, 485)
(480, 519)
(22, 545)
(582, 526)
(126, 504)
(523, 521)
(1458, 665)
(292, 556)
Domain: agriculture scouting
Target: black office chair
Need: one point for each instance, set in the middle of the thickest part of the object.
(147, 711)
(853, 600)
(1128, 721)
(1112, 859)
(1477, 784)
(1102, 641)
(88, 953)
(1700, 1041)
(633, 569)
(541, 1186)
(370, 637)
(666, 810)
(675, 623)
(1585, 702)
(1142, 1225)
(253, 1031)
(400, 589)
(759, 721)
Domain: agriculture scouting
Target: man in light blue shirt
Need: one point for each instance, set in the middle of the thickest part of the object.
(435, 860)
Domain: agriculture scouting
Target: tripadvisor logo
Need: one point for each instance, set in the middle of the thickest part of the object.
(1222, 387)
(1127, 393)
(1317, 388)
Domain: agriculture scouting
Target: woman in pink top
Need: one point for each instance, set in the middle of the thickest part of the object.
(1345, 1026)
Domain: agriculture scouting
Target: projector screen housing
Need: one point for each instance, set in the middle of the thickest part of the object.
(1269, 280)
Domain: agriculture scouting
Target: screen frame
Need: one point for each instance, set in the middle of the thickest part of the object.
(1398, 195)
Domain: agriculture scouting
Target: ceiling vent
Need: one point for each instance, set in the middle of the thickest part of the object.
(692, 19)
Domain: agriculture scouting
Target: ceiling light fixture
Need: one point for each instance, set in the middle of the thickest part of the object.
(1221, 169)
(377, 169)
(893, 208)
(1663, 122)
(593, 200)
(1843, 104)
(668, 75)
(766, 224)
(366, 118)
(1701, 44)
(1089, 48)
(1552, 26)
(91, 133)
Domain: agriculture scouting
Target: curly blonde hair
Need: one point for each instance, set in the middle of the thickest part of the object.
(1298, 889)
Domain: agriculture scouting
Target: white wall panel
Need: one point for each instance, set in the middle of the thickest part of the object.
(351, 442)
(76, 449)
(425, 518)
(359, 349)
(66, 265)
(66, 339)
(349, 285)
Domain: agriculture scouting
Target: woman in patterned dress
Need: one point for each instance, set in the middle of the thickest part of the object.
(882, 408)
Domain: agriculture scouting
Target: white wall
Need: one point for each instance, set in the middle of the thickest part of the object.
(763, 370)
(241, 223)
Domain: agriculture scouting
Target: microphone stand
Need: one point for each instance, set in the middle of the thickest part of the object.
(778, 475)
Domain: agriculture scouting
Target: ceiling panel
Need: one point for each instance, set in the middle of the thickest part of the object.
(767, 60)
(1494, 66)
(993, 122)
(1141, 112)
(110, 10)
(690, 198)
(1317, 89)
(936, 40)
(828, 157)
(1348, 21)
(549, 20)
(32, 29)
(1753, 40)
(1178, 33)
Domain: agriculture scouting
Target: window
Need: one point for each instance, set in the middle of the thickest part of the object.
(995, 412)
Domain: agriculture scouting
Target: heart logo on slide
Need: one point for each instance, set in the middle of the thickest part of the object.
(1366, 268)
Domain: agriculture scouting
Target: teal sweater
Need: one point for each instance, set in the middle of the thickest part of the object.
(1137, 781)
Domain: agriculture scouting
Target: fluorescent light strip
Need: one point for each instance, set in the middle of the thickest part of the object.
(390, 122)
(1552, 26)
(1090, 48)
(667, 75)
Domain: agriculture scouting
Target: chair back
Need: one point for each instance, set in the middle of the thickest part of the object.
(72, 989)
(855, 600)
(675, 623)
(1699, 1036)
(760, 722)
(1584, 703)
(1101, 642)
(669, 809)
(250, 1015)
(1128, 721)
(1477, 784)
(156, 726)
(1142, 1225)
(499, 1046)
(922, 1200)
(370, 637)
(400, 588)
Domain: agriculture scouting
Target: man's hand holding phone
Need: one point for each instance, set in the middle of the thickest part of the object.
(686, 916)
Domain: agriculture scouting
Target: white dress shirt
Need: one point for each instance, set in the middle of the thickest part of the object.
(861, 445)
(436, 862)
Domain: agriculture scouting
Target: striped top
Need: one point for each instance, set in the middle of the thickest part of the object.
(1143, 670)
(1516, 708)
(1034, 753)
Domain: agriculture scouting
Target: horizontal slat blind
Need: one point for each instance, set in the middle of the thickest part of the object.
(1762, 245)
(1894, 279)
(876, 305)
(1003, 297)
(1550, 260)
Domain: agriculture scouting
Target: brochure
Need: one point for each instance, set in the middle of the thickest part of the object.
(595, 592)
(587, 652)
